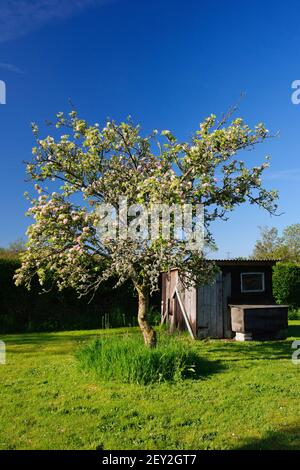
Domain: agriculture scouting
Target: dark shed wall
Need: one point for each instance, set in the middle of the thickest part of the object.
(239, 297)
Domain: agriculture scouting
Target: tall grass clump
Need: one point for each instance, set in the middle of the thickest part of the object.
(126, 359)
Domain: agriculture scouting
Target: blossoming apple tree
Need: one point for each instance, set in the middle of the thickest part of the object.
(76, 170)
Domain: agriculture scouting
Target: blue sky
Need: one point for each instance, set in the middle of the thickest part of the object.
(168, 64)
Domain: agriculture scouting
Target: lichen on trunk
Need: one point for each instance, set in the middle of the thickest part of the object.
(148, 332)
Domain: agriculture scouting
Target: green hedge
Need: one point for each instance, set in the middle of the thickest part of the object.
(286, 284)
(25, 311)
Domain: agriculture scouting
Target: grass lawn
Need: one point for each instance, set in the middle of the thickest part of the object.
(247, 398)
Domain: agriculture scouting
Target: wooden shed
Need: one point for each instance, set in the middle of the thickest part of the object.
(217, 310)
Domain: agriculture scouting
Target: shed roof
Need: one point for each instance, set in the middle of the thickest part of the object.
(241, 262)
(244, 262)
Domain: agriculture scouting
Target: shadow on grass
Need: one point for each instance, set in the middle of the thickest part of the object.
(255, 350)
(202, 368)
(287, 438)
(68, 343)
(35, 340)
(215, 352)
(52, 344)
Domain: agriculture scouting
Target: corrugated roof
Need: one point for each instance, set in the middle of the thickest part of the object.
(251, 261)
(240, 261)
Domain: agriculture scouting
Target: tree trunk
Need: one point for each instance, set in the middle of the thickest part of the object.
(148, 333)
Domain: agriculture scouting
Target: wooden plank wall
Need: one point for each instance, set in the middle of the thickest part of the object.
(206, 306)
(189, 297)
(170, 306)
(210, 311)
(226, 309)
(175, 317)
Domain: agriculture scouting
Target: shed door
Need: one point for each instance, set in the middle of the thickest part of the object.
(210, 309)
